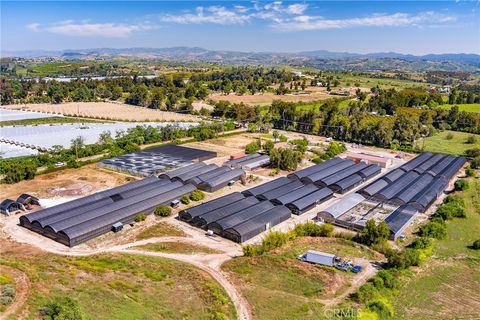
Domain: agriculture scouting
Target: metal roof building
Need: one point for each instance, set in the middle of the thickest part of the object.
(222, 180)
(27, 199)
(182, 170)
(397, 187)
(295, 194)
(315, 168)
(250, 228)
(194, 173)
(8, 206)
(373, 187)
(236, 163)
(415, 188)
(220, 213)
(347, 183)
(339, 175)
(255, 191)
(340, 207)
(191, 213)
(370, 171)
(440, 166)
(210, 174)
(306, 203)
(322, 174)
(400, 219)
(424, 199)
(255, 163)
(393, 175)
(429, 163)
(416, 162)
(82, 219)
(235, 219)
(280, 191)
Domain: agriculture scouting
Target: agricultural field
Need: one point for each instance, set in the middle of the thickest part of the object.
(449, 142)
(51, 120)
(106, 111)
(474, 107)
(446, 287)
(117, 286)
(370, 82)
(279, 286)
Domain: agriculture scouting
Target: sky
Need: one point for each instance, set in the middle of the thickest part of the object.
(414, 27)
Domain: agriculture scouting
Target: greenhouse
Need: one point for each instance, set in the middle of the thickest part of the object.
(191, 213)
(308, 202)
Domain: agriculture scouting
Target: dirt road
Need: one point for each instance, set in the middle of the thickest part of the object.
(22, 288)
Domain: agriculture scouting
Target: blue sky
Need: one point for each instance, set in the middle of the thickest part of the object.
(289, 26)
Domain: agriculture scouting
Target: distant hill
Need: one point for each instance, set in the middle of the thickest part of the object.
(319, 58)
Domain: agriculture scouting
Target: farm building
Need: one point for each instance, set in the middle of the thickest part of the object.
(77, 221)
(326, 172)
(347, 183)
(220, 213)
(339, 175)
(261, 223)
(340, 207)
(207, 175)
(255, 191)
(217, 182)
(27, 199)
(249, 162)
(308, 202)
(175, 173)
(156, 160)
(400, 219)
(310, 170)
(382, 162)
(294, 195)
(194, 173)
(191, 213)
(9, 206)
(280, 191)
(396, 187)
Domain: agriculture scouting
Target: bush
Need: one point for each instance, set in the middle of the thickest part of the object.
(317, 160)
(185, 199)
(421, 243)
(373, 233)
(282, 138)
(64, 308)
(366, 292)
(390, 280)
(285, 159)
(476, 245)
(267, 146)
(334, 148)
(381, 308)
(311, 229)
(7, 294)
(475, 163)
(197, 195)
(163, 211)
(140, 217)
(461, 185)
(450, 210)
(252, 147)
(452, 198)
(404, 259)
(433, 229)
(449, 136)
(471, 139)
(470, 172)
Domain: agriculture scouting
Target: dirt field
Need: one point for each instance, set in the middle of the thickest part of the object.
(66, 183)
(105, 110)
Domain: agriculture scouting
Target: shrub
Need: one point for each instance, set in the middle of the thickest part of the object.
(185, 199)
(140, 217)
(62, 308)
(366, 292)
(267, 146)
(389, 279)
(433, 229)
(163, 211)
(252, 147)
(317, 160)
(452, 198)
(475, 163)
(283, 138)
(285, 159)
(383, 310)
(461, 185)
(476, 245)
(197, 195)
(449, 136)
(470, 172)
(373, 233)
(450, 210)
(421, 243)
(471, 139)
(403, 259)
(311, 229)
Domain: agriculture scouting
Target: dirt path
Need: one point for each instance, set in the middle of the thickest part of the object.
(369, 270)
(22, 288)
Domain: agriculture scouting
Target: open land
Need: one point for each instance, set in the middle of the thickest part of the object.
(456, 145)
(105, 111)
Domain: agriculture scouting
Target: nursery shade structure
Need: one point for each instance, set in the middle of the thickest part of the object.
(255, 191)
(253, 227)
(191, 213)
(306, 203)
(400, 219)
(324, 173)
(294, 195)
(416, 162)
(217, 182)
(342, 174)
(239, 217)
(174, 173)
(341, 207)
(315, 168)
(280, 191)
(347, 183)
(223, 212)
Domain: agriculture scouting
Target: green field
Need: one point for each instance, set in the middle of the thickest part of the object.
(176, 247)
(119, 286)
(455, 146)
(475, 107)
(446, 287)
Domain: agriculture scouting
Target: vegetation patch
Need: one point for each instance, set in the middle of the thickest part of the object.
(176, 247)
(161, 229)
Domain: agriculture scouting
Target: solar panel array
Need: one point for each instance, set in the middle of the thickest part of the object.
(156, 160)
(77, 221)
(241, 216)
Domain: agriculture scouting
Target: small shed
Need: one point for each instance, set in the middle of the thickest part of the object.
(27, 199)
(317, 257)
(8, 206)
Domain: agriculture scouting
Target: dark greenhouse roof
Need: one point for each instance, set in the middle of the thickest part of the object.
(250, 228)
(26, 198)
(423, 200)
(400, 219)
(431, 162)
(315, 168)
(182, 170)
(184, 152)
(339, 175)
(440, 166)
(347, 183)
(397, 187)
(301, 205)
(374, 187)
(295, 194)
(194, 173)
(413, 189)
(220, 181)
(190, 213)
(370, 171)
(324, 173)
(280, 191)
(266, 187)
(242, 159)
(223, 212)
(416, 162)
(394, 175)
(80, 220)
(205, 176)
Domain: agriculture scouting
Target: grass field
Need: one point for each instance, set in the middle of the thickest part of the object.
(455, 146)
(475, 107)
(278, 286)
(176, 247)
(39, 121)
(161, 229)
(447, 286)
(119, 286)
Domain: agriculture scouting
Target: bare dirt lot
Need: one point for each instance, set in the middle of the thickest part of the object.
(68, 182)
(106, 111)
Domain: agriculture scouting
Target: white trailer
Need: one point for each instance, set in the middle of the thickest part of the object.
(317, 257)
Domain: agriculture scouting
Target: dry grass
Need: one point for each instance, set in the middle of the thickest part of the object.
(106, 111)
(176, 247)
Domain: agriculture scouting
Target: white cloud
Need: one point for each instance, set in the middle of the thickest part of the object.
(33, 26)
(212, 14)
(86, 29)
(305, 22)
(298, 8)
